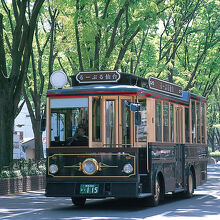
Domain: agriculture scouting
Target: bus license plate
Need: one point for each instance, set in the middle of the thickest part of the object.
(89, 189)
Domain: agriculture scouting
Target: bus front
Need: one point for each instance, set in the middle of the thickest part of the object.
(90, 144)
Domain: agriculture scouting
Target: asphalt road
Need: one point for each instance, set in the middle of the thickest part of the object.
(34, 205)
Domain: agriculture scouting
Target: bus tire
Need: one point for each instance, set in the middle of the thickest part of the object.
(190, 185)
(77, 201)
(155, 199)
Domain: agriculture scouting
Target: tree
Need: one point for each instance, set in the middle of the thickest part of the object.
(98, 35)
(189, 53)
(39, 68)
(213, 118)
(17, 34)
(176, 22)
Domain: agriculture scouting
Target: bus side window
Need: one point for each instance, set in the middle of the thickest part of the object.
(110, 122)
(198, 122)
(165, 122)
(57, 127)
(187, 137)
(141, 130)
(96, 120)
(193, 132)
(203, 122)
(171, 123)
(158, 123)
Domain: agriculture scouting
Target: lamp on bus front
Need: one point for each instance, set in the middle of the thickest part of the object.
(58, 79)
(90, 166)
(53, 168)
(128, 168)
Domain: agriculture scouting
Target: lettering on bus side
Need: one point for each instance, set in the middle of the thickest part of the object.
(164, 86)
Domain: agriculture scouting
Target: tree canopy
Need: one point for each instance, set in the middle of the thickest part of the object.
(175, 40)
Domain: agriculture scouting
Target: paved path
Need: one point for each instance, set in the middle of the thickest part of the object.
(34, 205)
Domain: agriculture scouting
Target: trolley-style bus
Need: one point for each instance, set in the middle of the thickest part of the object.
(119, 135)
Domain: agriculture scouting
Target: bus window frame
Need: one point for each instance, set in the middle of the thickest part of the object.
(168, 108)
(193, 134)
(100, 118)
(48, 126)
(171, 138)
(120, 144)
(136, 137)
(196, 116)
(187, 129)
(104, 141)
(198, 122)
(203, 125)
(161, 121)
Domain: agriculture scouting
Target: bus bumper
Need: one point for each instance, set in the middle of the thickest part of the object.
(104, 190)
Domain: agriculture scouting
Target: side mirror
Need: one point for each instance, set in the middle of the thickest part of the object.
(135, 107)
(137, 118)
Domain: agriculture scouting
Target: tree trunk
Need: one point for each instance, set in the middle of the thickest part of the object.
(6, 126)
(38, 142)
(11, 84)
(35, 120)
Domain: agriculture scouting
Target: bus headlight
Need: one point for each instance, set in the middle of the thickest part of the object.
(53, 168)
(90, 166)
(128, 168)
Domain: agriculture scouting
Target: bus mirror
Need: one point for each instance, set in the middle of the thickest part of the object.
(135, 107)
(137, 119)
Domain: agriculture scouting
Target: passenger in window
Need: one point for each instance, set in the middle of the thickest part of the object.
(84, 125)
(81, 135)
(79, 139)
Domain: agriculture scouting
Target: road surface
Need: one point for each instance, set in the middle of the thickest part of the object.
(34, 205)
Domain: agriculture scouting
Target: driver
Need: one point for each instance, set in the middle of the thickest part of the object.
(79, 138)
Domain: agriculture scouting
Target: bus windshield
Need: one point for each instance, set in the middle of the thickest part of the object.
(69, 122)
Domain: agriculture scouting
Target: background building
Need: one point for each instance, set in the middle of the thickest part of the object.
(23, 138)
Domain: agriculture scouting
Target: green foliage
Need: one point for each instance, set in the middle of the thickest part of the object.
(105, 31)
(215, 154)
(24, 168)
(175, 40)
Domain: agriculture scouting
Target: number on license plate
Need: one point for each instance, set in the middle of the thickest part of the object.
(89, 189)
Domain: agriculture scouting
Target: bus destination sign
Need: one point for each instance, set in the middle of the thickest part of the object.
(98, 77)
(164, 86)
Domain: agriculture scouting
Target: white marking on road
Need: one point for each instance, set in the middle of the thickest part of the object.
(21, 213)
(160, 215)
(202, 197)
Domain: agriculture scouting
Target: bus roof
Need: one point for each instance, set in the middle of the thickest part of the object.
(128, 84)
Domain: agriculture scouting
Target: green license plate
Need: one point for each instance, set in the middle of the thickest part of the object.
(89, 189)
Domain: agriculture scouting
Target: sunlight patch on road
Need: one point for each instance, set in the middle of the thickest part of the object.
(18, 212)
(101, 218)
(3, 211)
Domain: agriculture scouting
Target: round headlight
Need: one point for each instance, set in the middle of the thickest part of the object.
(128, 168)
(53, 168)
(89, 166)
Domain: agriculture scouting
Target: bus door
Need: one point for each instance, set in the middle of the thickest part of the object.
(111, 122)
(179, 150)
(125, 122)
(118, 131)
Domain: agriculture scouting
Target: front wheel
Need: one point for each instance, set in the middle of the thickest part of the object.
(77, 201)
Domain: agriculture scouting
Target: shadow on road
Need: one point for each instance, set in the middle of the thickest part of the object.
(35, 206)
(172, 206)
(201, 205)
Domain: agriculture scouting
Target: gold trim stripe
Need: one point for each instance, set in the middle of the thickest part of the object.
(93, 154)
